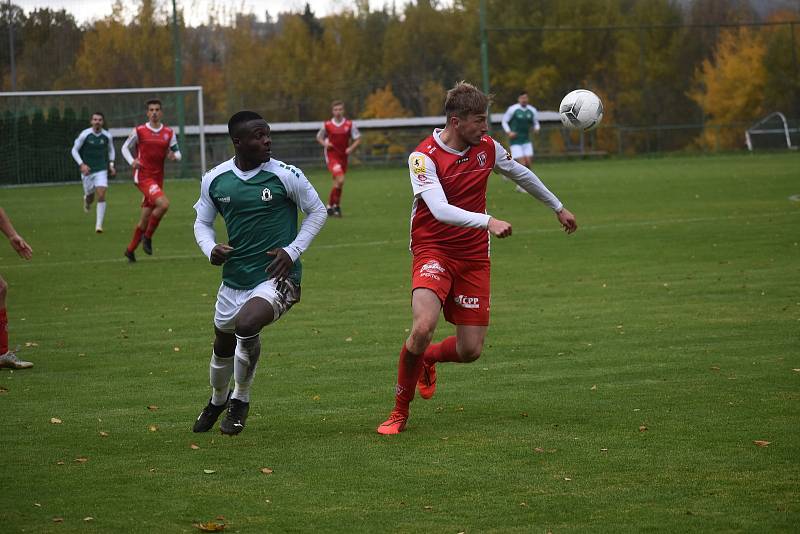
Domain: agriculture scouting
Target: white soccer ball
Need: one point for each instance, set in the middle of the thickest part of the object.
(581, 110)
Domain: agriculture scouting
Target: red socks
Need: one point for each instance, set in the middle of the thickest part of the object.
(137, 236)
(442, 352)
(408, 370)
(152, 224)
(335, 197)
(4, 331)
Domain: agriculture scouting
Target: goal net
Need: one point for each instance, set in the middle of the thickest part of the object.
(40, 127)
(772, 132)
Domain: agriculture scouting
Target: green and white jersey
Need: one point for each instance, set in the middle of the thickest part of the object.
(94, 149)
(259, 207)
(519, 119)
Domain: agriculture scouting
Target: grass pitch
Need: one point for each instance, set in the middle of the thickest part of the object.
(628, 371)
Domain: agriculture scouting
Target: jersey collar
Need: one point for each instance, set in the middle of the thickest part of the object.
(246, 175)
(438, 139)
(337, 124)
(156, 130)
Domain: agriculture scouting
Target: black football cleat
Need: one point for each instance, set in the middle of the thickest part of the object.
(337, 211)
(147, 245)
(131, 256)
(235, 418)
(205, 421)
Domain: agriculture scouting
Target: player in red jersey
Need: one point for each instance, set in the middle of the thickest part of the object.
(335, 136)
(152, 142)
(450, 232)
(8, 358)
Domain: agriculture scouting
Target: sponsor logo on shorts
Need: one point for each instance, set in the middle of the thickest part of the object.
(467, 302)
(153, 189)
(431, 269)
(224, 200)
(266, 194)
(481, 157)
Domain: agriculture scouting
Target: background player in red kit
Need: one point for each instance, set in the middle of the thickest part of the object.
(335, 136)
(151, 143)
(450, 243)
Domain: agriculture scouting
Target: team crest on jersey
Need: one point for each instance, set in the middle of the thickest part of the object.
(166, 136)
(266, 194)
(481, 157)
(418, 164)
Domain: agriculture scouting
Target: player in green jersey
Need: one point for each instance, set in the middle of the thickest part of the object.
(517, 123)
(94, 153)
(258, 198)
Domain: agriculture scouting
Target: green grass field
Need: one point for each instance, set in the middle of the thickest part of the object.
(628, 370)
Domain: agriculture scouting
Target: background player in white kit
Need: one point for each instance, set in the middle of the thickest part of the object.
(94, 153)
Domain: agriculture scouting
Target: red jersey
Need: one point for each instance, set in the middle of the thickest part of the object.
(463, 177)
(339, 136)
(151, 148)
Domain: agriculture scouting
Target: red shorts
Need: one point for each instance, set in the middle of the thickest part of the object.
(337, 165)
(151, 190)
(462, 286)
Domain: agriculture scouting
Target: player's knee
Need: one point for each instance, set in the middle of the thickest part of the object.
(164, 203)
(422, 334)
(470, 353)
(249, 326)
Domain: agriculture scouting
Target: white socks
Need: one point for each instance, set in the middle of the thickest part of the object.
(101, 213)
(220, 372)
(248, 350)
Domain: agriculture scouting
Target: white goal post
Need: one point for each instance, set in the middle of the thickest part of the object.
(761, 128)
(197, 129)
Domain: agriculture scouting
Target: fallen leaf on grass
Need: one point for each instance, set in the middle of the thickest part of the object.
(152, 428)
(429, 507)
(538, 449)
(178, 349)
(642, 428)
(761, 443)
(37, 505)
(524, 414)
(348, 339)
(60, 462)
(31, 344)
(209, 471)
(194, 446)
(58, 520)
(714, 368)
(266, 470)
(81, 460)
(88, 518)
(209, 526)
(568, 479)
(603, 450)
(103, 434)
(152, 407)
(3, 390)
(55, 421)
(796, 370)
(593, 388)
(523, 504)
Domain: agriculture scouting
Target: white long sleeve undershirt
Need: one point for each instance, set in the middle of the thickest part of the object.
(445, 212)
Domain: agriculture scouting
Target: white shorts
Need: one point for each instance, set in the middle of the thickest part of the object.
(521, 151)
(281, 296)
(93, 181)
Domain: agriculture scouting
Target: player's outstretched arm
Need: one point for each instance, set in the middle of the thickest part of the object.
(567, 220)
(16, 240)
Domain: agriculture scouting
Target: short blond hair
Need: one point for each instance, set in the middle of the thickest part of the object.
(465, 99)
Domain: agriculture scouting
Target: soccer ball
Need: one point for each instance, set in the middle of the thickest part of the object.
(581, 110)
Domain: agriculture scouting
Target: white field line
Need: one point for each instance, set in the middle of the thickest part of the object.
(631, 224)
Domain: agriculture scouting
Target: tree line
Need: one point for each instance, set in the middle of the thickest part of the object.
(654, 62)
